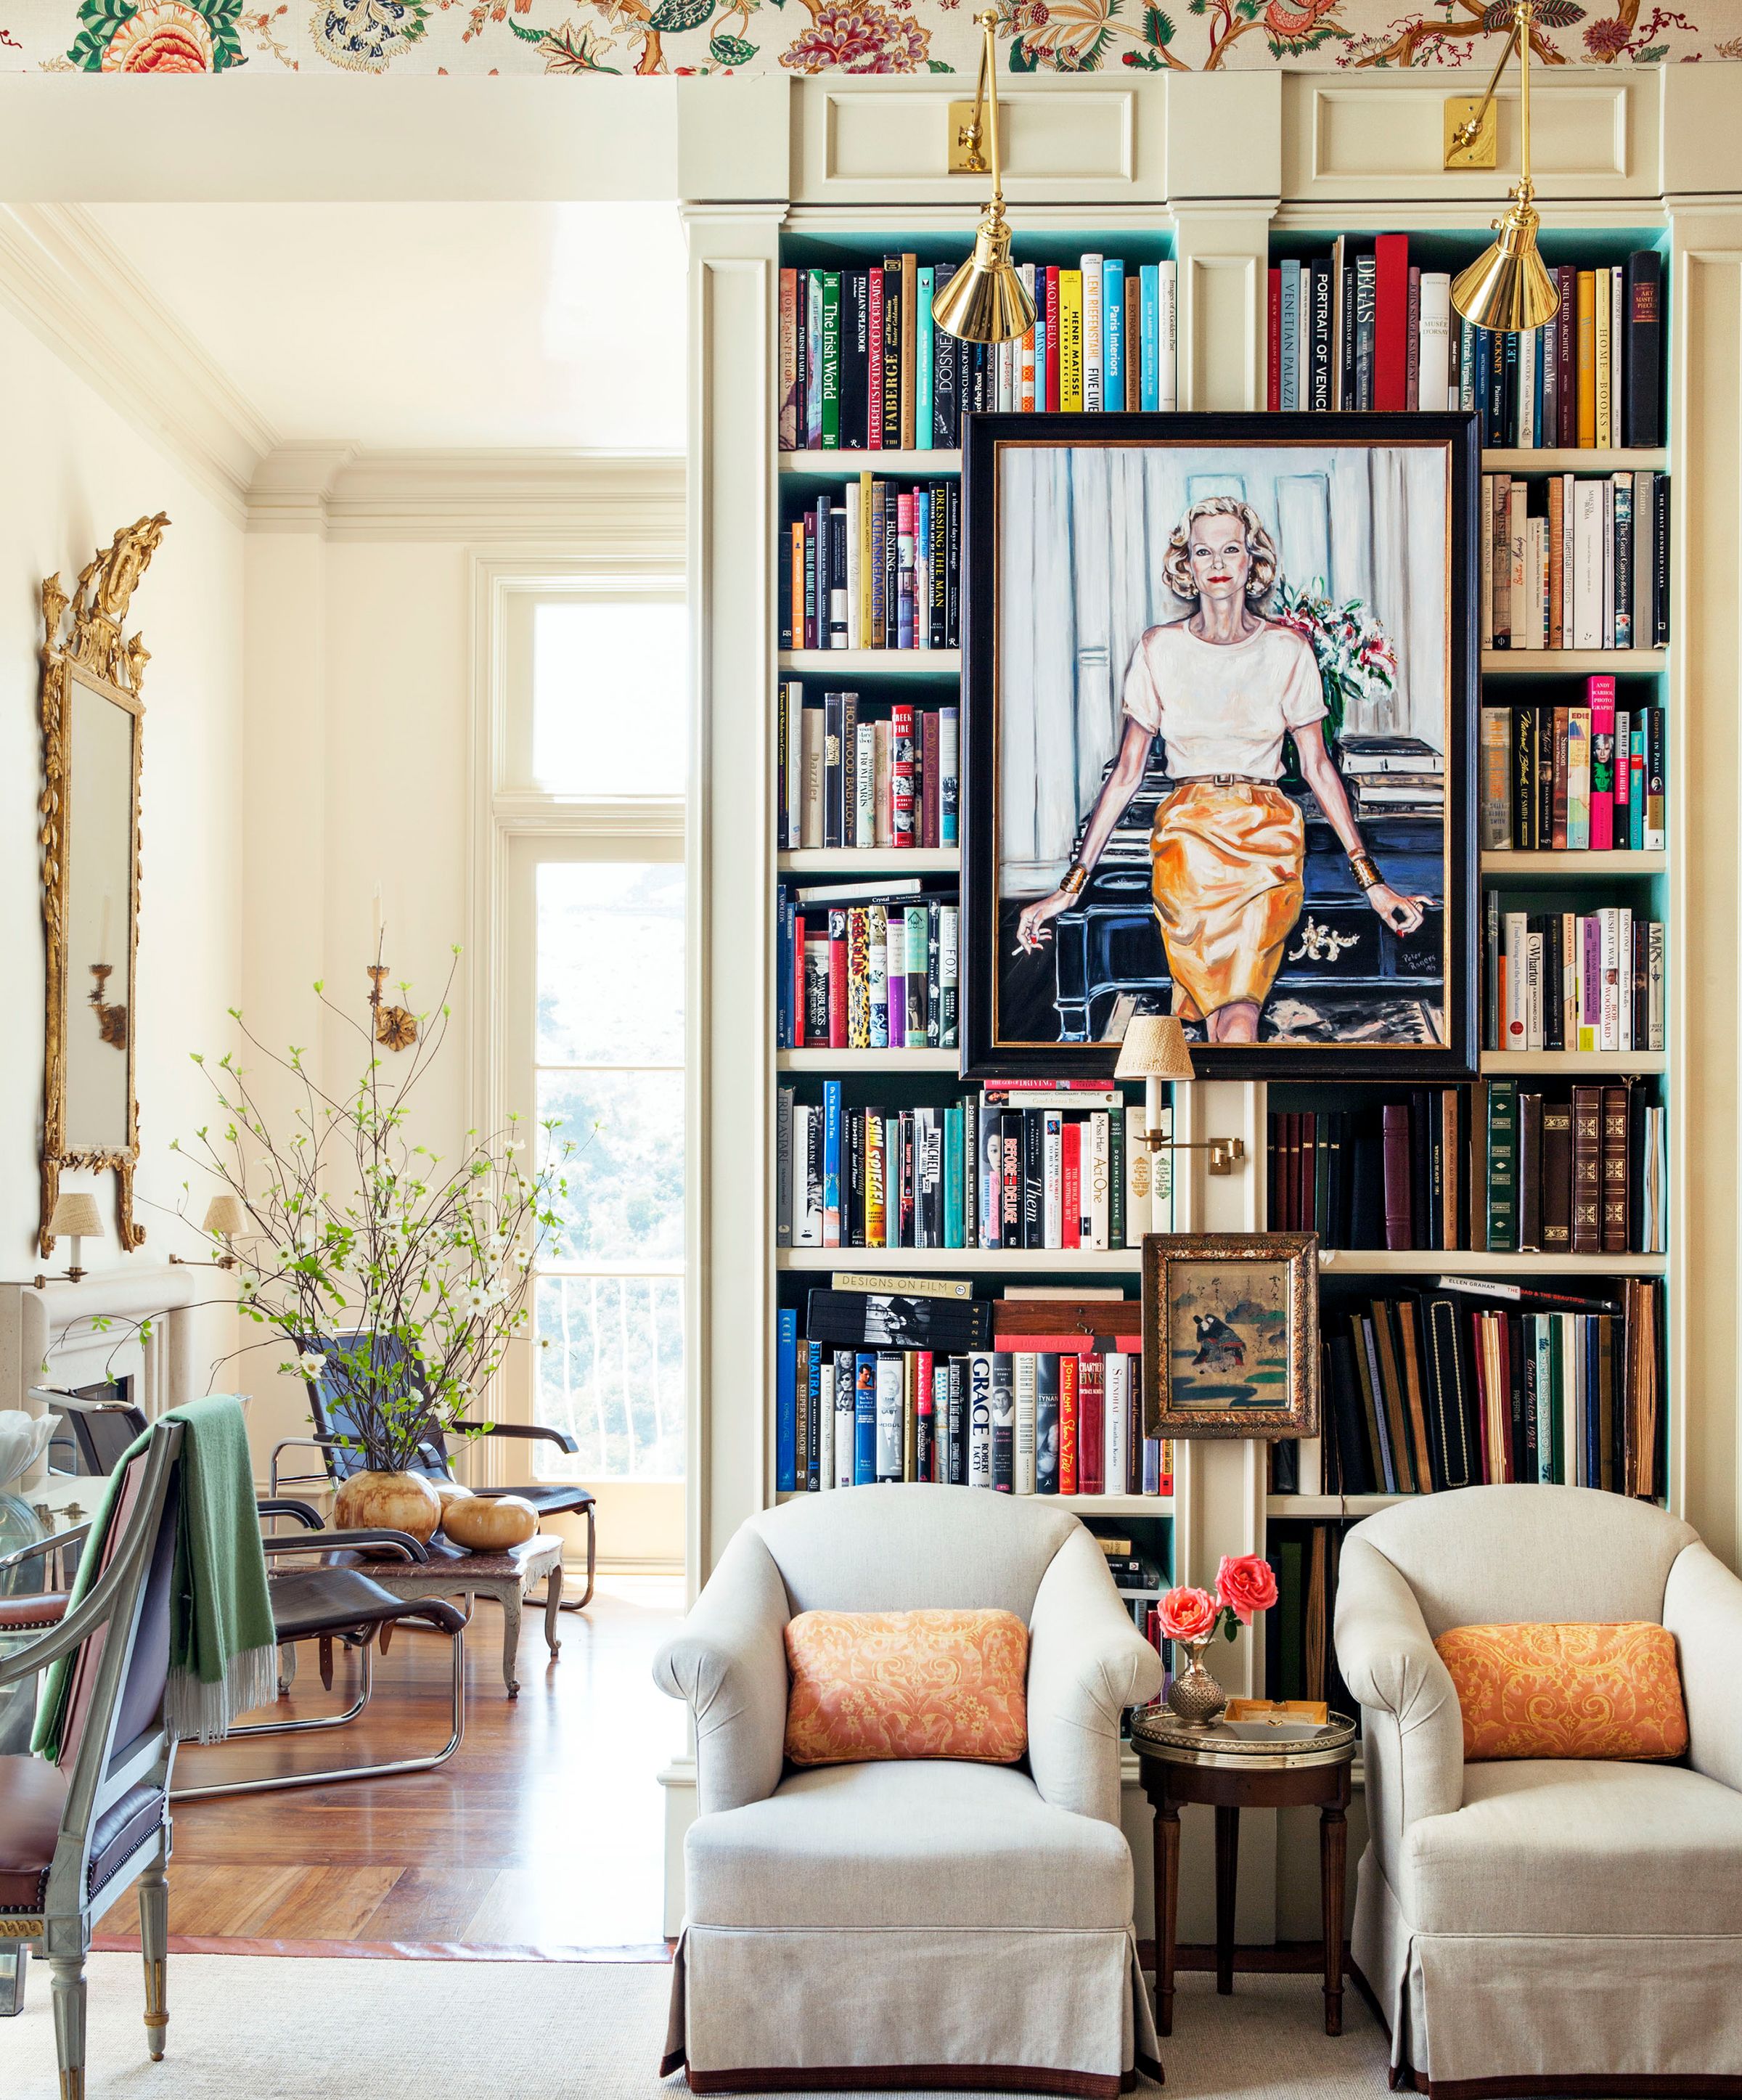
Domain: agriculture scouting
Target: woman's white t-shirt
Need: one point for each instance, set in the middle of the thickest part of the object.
(1224, 707)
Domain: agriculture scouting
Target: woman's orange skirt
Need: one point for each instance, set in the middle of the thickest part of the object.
(1227, 863)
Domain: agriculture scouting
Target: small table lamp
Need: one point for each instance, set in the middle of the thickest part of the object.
(1154, 1049)
(76, 1218)
(224, 1218)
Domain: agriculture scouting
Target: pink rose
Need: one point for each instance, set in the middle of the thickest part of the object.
(1245, 1584)
(1189, 1615)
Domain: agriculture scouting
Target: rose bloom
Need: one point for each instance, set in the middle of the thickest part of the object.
(1189, 1615)
(1245, 1584)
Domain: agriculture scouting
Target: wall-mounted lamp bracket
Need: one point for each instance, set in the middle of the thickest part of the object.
(1223, 1151)
(1472, 132)
(967, 154)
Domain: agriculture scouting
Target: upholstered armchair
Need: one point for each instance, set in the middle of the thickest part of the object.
(909, 1924)
(1562, 1925)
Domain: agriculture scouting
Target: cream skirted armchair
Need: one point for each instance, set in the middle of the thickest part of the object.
(932, 1923)
(1545, 1925)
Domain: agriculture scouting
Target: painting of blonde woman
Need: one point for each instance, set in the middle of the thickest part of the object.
(1219, 709)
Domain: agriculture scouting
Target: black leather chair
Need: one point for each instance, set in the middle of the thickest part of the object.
(331, 1406)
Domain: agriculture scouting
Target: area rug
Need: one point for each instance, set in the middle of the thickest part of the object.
(242, 2025)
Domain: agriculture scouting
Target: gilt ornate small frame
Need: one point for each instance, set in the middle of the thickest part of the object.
(86, 647)
(1231, 1334)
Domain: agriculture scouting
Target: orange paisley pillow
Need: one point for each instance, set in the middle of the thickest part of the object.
(1567, 1690)
(906, 1684)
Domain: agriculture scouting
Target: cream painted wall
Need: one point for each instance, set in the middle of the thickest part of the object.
(72, 471)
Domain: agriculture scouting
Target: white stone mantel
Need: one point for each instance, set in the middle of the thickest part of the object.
(47, 1337)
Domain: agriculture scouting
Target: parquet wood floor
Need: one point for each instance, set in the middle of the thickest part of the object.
(543, 1834)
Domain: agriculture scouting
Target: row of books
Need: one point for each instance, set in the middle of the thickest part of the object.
(846, 777)
(874, 1391)
(1363, 327)
(862, 969)
(1574, 779)
(1300, 1653)
(1590, 981)
(874, 566)
(993, 1171)
(862, 368)
(1430, 1391)
(1492, 1167)
(1575, 560)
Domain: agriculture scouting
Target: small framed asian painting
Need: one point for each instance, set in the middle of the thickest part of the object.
(1231, 1334)
(1219, 701)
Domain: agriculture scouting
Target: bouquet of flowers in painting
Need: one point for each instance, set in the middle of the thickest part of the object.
(1357, 659)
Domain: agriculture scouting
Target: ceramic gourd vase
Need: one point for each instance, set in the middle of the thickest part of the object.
(1194, 1697)
(388, 1502)
(490, 1524)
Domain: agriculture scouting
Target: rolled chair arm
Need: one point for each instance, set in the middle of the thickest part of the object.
(1703, 1609)
(528, 1431)
(728, 1662)
(1086, 1663)
(345, 1542)
(1414, 1751)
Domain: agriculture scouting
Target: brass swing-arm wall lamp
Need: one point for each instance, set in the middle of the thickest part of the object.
(1507, 289)
(1155, 1049)
(987, 302)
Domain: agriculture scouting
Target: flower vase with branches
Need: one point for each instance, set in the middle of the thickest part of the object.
(398, 1277)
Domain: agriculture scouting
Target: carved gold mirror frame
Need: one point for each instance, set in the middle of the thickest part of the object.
(90, 666)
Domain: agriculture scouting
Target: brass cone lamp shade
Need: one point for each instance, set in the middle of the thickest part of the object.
(987, 302)
(1508, 288)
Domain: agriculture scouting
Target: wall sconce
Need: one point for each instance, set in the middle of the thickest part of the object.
(76, 1216)
(1155, 1049)
(1507, 289)
(987, 302)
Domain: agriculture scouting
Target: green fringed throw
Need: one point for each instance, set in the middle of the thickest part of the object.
(222, 1655)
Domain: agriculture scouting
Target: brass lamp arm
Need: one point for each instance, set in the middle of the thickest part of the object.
(983, 123)
(1465, 134)
(1223, 1151)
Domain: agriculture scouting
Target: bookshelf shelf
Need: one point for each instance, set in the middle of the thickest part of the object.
(1615, 1061)
(848, 465)
(875, 663)
(1467, 1261)
(884, 860)
(1331, 1506)
(1002, 1261)
(1562, 662)
(869, 1061)
(1574, 864)
(1573, 459)
(1151, 1505)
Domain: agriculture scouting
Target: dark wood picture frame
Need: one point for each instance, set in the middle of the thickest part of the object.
(987, 920)
(1296, 1255)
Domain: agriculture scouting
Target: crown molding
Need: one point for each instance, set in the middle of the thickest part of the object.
(629, 507)
(69, 284)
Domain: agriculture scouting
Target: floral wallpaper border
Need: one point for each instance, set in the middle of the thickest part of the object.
(650, 36)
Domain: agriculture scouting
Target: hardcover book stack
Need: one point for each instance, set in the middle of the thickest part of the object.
(849, 776)
(1575, 560)
(1575, 780)
(1365, 328)
(1022, 1165)
(1590, 981)
(1496, 1168)
(862, 368)
(875, 565)
(1434, 1389)
(867, 967)
(923, 1382)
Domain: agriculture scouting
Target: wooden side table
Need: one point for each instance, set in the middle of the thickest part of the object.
(506, 1576)
(1257, 1765)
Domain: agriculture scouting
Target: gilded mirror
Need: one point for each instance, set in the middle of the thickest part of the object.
(92, 719)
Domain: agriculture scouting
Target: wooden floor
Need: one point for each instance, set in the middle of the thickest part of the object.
(544, 1833)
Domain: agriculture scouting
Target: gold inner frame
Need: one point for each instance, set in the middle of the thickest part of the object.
(84, 645)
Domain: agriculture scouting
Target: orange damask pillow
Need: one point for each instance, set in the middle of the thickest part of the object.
(906, 1684)
(1567, 1690)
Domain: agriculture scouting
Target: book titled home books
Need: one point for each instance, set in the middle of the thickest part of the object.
(863, 368)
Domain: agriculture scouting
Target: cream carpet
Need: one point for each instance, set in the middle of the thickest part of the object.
(251, 2028)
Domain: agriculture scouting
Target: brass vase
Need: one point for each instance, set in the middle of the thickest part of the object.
(1194, 1697)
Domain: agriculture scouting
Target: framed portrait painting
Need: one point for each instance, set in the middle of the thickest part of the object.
(1231, 1334)
(1218, 706)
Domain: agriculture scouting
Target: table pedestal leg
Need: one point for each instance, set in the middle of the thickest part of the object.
(1333, 1843)
(1166, 1911)
(510, 1637)
(552, 1605)
(1227, 1882)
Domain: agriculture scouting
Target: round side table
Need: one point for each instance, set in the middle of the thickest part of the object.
(1250, 1764)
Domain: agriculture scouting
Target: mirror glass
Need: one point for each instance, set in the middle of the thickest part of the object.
(99, 810)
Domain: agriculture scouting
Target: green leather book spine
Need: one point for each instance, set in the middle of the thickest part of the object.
(1503, 1167)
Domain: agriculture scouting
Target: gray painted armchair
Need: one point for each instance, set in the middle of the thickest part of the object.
(1552, 1924)
(896, 1924)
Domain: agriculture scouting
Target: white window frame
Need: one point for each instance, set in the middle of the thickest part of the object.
(506, 808)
